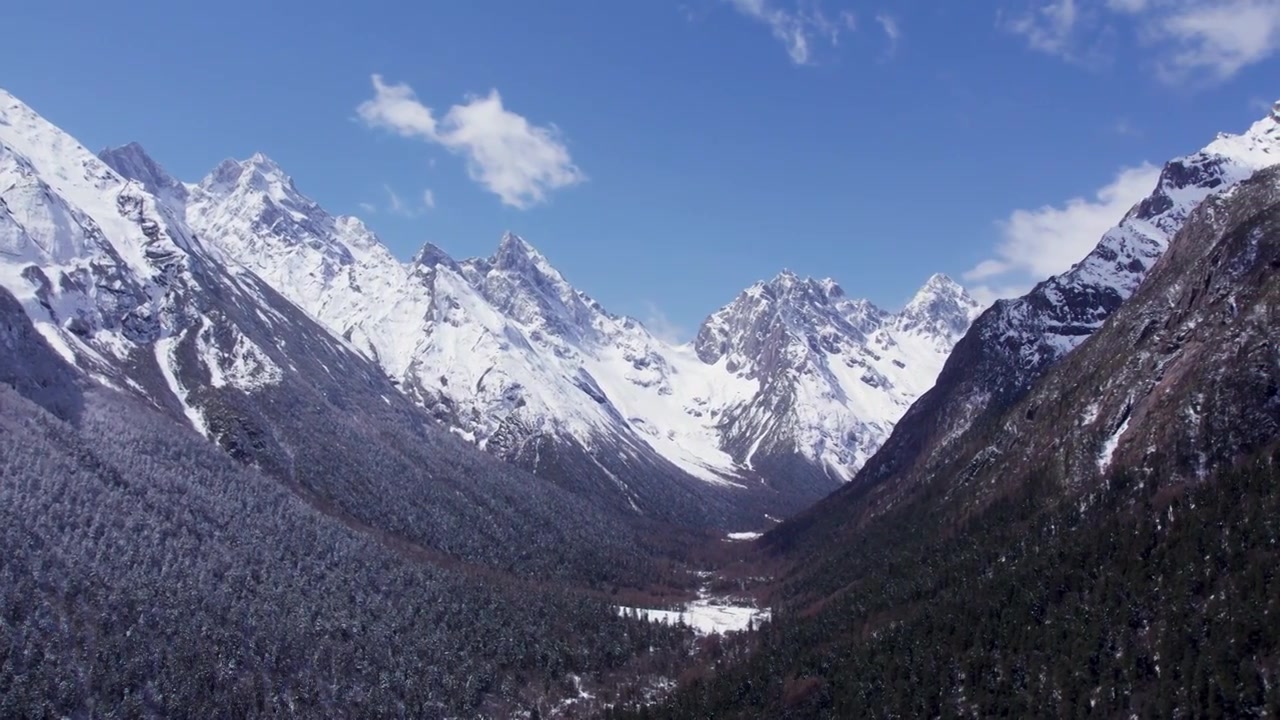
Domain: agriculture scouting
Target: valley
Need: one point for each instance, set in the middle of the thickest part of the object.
(253, 464)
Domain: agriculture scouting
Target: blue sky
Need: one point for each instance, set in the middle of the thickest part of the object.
(664, 154)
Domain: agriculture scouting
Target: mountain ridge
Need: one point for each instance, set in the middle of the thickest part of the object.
(1014, 341)
(517, 361)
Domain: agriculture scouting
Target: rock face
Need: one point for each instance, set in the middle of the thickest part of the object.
(1014, 342)
(784, 394)
(1184, 377)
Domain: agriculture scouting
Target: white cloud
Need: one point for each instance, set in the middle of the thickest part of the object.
(517, 161)
(799, 26)
(1188, 40)
(891, 30)
(369, 208)
(429, 199)
(1219, 39)
(1036, 244)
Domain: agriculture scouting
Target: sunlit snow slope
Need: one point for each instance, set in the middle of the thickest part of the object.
(515, 359)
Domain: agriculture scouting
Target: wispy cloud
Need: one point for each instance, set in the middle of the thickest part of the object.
(1190, 41)
(368, 208)
(1263, 106)
(397, 205)
(1036, 244)
(799, 25)
(1124, 128)
(514, 159)
(891, 30)
(1048, 28)
(662, 327)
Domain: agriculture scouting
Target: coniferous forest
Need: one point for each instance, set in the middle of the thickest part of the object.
(1144, 600)
(148, 575)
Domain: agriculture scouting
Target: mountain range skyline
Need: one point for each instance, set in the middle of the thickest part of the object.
(1027, 141)
(509, 354)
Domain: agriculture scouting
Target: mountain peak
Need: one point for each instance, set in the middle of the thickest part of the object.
(1275, 111)
(940, 307)
(513, 247)
(525, 286)
(432, 255)
(130, 149)
(788, 285)
(132, 162)
(230, 171)
(939, 284)
(515, 254)
(263, 164)
(270, 173)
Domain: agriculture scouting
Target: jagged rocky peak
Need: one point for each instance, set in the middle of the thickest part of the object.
(259, 172)
(516, 254)
(133, 162)
(433, 256)
(941, 307)
(787, 285)
(253, 211)
(784, 309)
(522, 284)
(225, 176)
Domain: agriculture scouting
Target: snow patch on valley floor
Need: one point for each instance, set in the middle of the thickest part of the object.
(744, 536)
(704, 616)
(707, 615)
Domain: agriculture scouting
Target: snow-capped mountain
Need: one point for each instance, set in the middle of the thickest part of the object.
(516, 360)
(1014, 342)
(830, 375)
(105, 291)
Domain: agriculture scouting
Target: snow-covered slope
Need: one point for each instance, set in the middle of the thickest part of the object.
(100, 273)
(1014, 343)
(96, 262)
(509, 354)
